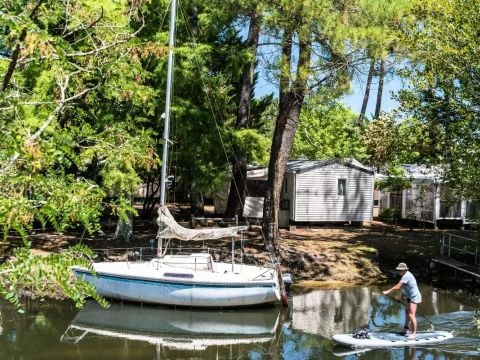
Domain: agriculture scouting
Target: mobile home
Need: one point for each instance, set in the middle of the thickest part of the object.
(322, 191)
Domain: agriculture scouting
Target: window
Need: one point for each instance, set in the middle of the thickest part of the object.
(342, 187)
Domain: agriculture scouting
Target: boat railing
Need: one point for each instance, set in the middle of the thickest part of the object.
(139, 253)
(259, 276)
(220, 221)
(148, 253)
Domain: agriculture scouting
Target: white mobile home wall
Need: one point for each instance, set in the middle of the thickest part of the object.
(314, 196)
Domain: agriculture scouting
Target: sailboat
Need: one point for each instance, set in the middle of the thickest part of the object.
(195, 279)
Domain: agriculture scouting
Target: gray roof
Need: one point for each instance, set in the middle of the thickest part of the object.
(422, 172)
(419, 172)
(298, 166)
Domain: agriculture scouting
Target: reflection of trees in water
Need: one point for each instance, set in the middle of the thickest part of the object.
(436, 302)
(403, 353)
(298, 345)
(24, 334)
(385, 311)
(328, 312)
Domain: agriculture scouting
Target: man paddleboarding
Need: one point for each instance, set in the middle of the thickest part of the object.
(410, 294)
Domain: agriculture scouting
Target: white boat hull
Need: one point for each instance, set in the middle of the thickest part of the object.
(145, 282)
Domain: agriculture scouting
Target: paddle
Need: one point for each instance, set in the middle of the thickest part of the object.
(419, 313)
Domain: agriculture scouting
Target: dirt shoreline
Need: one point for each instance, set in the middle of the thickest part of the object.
(357, 256)
(315, 256)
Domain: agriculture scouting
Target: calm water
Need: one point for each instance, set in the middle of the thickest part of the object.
(126, 331)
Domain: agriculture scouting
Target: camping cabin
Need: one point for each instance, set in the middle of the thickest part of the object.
(429, 199)
(323, 191)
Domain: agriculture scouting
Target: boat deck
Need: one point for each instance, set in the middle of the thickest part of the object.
(216, 273)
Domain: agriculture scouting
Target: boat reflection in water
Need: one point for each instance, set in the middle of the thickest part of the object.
(183, 329)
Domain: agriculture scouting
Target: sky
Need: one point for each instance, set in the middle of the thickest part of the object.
(264, 85)
(390, 87)
(354, 101)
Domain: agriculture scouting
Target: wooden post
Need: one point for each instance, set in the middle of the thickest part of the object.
(442, 244)
(476, 254)
(233, 253)
(449, 244)
(283, 290)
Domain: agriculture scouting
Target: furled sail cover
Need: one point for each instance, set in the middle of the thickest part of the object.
(169, 228)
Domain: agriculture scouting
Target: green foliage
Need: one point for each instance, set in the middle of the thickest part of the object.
(263, 114)
(207, 77)
(443, 71)
(41, 276)
(394, 180)
(73, 115)
(117, 154)
(76, 121)
(15, 214)
(391, 140)
(81, 205)
(327, 131)
(376, 25)
(390, 216)
(253, 144)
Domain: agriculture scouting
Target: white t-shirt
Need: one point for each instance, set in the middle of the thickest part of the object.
(410, 288)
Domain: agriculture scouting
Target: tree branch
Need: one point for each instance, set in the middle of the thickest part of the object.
(63, 101)
(89, 26)
(16, 52)
(107, 46)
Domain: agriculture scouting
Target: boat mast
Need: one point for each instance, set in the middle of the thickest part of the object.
(166, 126)
(166, 115)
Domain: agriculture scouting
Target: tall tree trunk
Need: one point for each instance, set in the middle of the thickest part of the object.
(238, 185)
(149, 201)
(197, 204)
(381, 76)
(361, 117)
(124, 229)
(292, 95)
(285, 128)
(16, 51)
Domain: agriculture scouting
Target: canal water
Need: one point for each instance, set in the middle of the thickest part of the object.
(304, 331)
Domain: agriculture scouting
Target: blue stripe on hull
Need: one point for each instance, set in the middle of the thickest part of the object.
(171, 282)
(178, 293)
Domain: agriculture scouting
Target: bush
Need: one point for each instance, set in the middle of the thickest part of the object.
(390, 216)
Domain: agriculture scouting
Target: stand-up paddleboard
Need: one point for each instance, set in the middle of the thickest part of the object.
(389, 339)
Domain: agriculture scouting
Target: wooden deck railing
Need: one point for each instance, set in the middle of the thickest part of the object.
(460, 248)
